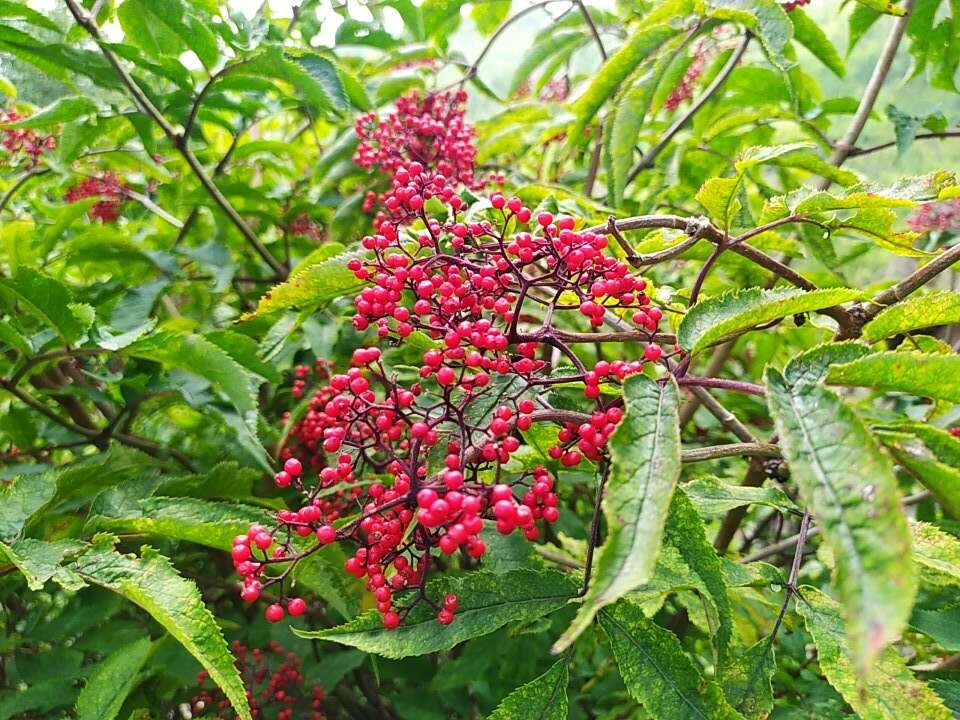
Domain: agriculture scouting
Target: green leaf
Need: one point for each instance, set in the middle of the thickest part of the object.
(860, 21)
(213, 524)
(39, 697)
(322, 574)
(686, 532)
(24, 12)
(163, 28)
(643, 471)
(929, 375)
(949, 691)
(544, 697)
(882, 6)
(487, 16)
(540, 52)
(60, 111)
(808, 33)
(942, 626)
(746, 680)
(111, 681)
(21, 499)
(938, 307)
(609, 79)
(311, 286)
(46, 299)
(720, 318)
(767, 20)
(624, 123)
(40, 561)
(199, 356)
(151, 582)
(712, 496)
(243, 349)
(326, 75)
(931, 455)
(655, 670)
(719, 198)
(487, 603)
(812, 365)
(891, 692)
(937, 552)
(850, 488)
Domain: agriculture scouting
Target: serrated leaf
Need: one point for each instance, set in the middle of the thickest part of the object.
(712, 496)
(487, 603)
(46, 299)
(929, 375)
(686, 532)
(164, 28)
(40, 561)
(610, 77)
(811, 366)
(808, 33)
(720, 318)
(767, 20)
(891, 693)
(62, 110)
(540, 52)
(938, 307)
(746, 680)
(244, 350)
(315, 285)
(949, 692)
(199, 356)
(931, 455)
(656, 671)
(942, 626)
(112, 681)
(25, 12)
(937, 552)
(23, 498)
(850, 488)
(213, 524)
(544, 697)
(151, 582)
(718, 196)
(644, 467)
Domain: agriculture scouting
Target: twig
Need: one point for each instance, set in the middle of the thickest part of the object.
(722, 384)
(726, 418)
(917, 279)
(651, 155)
(472, 70)
(594, 535)
(843, 147)
(712, 452)
(858, 151)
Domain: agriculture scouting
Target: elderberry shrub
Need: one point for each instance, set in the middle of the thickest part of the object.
(404, 473)
(275, 687)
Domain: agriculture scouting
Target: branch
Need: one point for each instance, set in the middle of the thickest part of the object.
(843, 147)
(177, 139)
(726, 418)
(722, 384)
(712, 452)
(917, 279)
(857, 151)
(650, 157)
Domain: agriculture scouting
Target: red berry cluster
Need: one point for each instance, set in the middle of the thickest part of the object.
(304, 226)
(955, 431)
(941, 216)
(684, 89)
(22, 141)
(275, 688)
(409, 473)
(106, 186)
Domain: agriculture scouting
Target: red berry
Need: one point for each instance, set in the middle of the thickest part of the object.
(274, 613)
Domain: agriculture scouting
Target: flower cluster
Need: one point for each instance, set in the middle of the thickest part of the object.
(941, 216)
(22, 142)
(410, 470)
(106, 186)
(275, 688)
